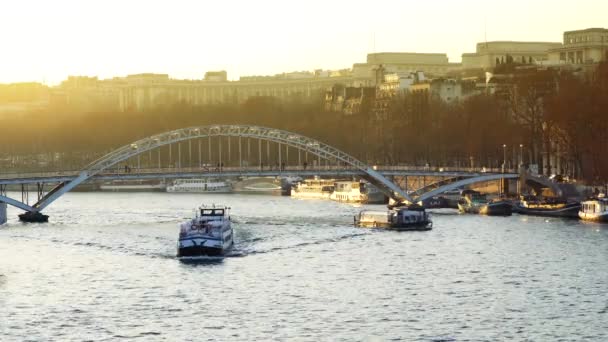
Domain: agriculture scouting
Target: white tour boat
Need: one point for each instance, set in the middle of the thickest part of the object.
(200, 186)
(313, 188)
(594, 210)
(412, 217)
(208, 234)
(357, 192)
(132, 186)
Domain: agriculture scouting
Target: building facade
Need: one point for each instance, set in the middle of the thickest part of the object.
(386, 72)
(582, 47)
(489, 54)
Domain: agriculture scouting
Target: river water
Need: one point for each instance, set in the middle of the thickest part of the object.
(104, 269)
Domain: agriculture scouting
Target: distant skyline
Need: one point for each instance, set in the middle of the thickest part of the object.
(45, 41)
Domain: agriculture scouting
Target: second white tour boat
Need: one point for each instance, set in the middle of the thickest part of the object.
(200, 186)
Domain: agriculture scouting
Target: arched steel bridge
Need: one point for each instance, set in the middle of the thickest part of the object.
(294, 140)
(98, 168)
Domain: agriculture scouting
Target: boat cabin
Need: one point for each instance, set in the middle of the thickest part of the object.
(212, 212)
(369, 218)
(348, 186)
(316, 185)
(473, 196)
(595, 206)
(542, 203)
(409, 215)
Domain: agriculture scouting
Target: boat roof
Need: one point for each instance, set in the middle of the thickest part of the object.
(373, 212)
(213, 206)
(599, 199)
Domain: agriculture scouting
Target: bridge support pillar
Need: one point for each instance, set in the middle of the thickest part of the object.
(504, 186)
(2, 213)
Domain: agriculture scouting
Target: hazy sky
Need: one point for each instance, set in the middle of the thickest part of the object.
(48, 40)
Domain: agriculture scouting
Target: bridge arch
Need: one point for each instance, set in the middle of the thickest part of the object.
(291, 139)
(529, 178)
(463, 182)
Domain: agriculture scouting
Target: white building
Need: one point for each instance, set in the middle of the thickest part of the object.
(489, 54)
(582, 46)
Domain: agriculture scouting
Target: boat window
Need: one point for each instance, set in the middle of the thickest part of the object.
(218, 212)
(207, 212)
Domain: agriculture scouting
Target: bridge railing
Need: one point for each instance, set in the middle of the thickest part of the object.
(48, 174)
(251, 168)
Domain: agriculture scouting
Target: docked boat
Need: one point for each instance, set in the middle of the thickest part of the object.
(348, 191)
(313, 189)
(32, 216)
(436, 202)
(199, 186)
(357, 192)
(209, 233)
(412, 217)
(132, 186)
(473, 202)
(554, 207)
(594, 210)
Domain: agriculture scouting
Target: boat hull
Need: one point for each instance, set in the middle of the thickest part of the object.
(195, 251)
(132, 188)
(197, 191)
(401, 228)
(33, 217)
(421, 226)
(570, 211)
(492, 209)
(594, 217)
(192, 247)
(310, 195)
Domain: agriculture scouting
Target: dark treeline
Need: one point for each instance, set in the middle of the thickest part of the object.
(99, 132)
(577, 117)
(539, 114)
(472, 133)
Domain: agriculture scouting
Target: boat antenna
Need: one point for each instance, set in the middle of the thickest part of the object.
(485, 30)
(374, 41)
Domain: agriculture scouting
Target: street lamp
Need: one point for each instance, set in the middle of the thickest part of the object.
(521, 154)
(504, 157)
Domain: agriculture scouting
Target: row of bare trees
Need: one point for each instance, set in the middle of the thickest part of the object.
(577, 118)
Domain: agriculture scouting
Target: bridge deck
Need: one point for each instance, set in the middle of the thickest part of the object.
(171, 173)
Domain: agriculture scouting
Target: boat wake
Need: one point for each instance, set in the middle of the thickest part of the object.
(246, 252)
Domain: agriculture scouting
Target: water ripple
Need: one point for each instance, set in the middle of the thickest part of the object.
(105, 269)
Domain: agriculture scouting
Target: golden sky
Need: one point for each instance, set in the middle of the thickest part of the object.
(48, 40)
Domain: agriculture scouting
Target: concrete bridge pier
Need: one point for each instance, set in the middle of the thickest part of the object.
(2, 213)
